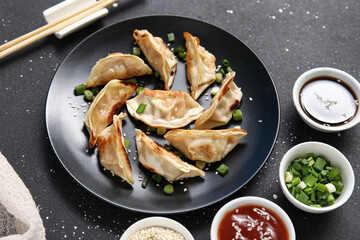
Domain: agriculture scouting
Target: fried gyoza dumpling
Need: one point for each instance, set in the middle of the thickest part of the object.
(165, 109)
(158, 159)
(200, 66)
(158, 55)
(205, 145)
(117, 66)
(107, 103)
(223, 104)
(112, 151)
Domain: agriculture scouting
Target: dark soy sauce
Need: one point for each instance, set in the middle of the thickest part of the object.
(328, 101)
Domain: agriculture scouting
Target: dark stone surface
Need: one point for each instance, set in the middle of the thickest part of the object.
(290, 37)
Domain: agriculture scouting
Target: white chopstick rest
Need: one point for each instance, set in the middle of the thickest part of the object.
(68, 7)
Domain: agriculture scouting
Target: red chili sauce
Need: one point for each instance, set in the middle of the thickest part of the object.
(252, 222)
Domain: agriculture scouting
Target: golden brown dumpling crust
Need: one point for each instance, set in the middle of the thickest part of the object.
(113, 155)
(223, 104)
(107, 103)
(165, 109)
(157, 159)
(117, 66)
(205, 145)
(158, 55)
(200, 66)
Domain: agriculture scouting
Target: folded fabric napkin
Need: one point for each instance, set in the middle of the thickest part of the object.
(19, 216)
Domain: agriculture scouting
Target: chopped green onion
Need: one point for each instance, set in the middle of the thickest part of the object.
(151, 129)
(179, 49)
(319, 164)
(80, 89)
(219, 77)
(141, 82)
(237, 115)
(158, 178)
(314, 181)
(145, 182)
(222, 72)
(136, 51)
(161, 131)
(226, 63)
(159, 86)
(168, 189)
(141, 108)
(228, 69)
(200, 164)
(133, 80)
(95, 90)
(126, 143)
(88, 95)
(157, 74)
(171, 37)
(139, 89)
(333, 173)
(182, 55)
(223, 169)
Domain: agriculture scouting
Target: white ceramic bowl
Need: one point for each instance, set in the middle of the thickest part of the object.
(157, 221)
(329, 153)
(331, 72)
(251, 200)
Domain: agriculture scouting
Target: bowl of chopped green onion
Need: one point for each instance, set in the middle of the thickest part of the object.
(316, 177)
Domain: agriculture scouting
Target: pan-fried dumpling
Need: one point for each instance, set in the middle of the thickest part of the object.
(223, 104)
(165, 109)
(158, 55)
(107, 103)
(117, 66)
(158, 159)
(205, 145)
(200, 65)
(112, 151)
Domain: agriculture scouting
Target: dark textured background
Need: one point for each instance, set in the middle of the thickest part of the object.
(290, 37)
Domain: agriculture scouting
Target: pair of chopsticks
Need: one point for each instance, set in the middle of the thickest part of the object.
(31, 37)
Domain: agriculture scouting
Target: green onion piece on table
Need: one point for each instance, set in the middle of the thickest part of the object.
(219, 77)
(133, 80)
(126, 143)
(237, 115)
(228, 69)
(158, 178)
(95, 90)
(88, 95)
(151, 129)
(144, 183)
(223, 169)
(139, 89)
(225, 62)
(136, 51)
(161, 131)
(171, 37)
(141, 108)
(169, 189)
(80, 89)
(156, 74)
(200, 164)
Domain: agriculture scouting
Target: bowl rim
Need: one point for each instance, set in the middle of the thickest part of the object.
(349, 178)
(241, 201)
(332, 72)
(157, 221)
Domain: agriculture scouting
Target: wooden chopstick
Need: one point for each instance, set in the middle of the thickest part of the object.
(44, 31)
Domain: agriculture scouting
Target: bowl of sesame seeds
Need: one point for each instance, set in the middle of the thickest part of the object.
(251, 218)
(157, 228)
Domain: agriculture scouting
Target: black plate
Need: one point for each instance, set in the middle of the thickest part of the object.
(69, 138)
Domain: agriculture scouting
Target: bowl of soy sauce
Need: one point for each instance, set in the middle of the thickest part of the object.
(327, 99)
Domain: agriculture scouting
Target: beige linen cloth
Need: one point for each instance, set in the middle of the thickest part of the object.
(19, 216)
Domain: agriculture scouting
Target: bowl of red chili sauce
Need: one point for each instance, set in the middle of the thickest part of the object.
(251, 218)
